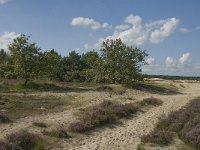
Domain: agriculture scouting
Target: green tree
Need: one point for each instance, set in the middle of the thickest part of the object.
(26, 57)
(121, 63)
(50, 64)
(92, 63)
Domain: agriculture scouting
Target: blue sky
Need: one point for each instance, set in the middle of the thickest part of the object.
(168, 30)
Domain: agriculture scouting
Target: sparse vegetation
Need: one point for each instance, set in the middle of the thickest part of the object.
(158, 137)
(185, 123)
(60, 132)
(105, 112)
(23, 140)
(40, 124)
(151, 101)
(4, 118)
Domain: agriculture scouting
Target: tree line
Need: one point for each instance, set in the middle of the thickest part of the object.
(114, 63)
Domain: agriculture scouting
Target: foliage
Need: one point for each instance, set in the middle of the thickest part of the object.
(159, 137)
(59, 133)
(185, 122)
(105, 112)
(23, 140)
(25, 57)
(40, 124)
(151, 101)
(4, 118)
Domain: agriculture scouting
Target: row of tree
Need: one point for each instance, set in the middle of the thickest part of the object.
(114, 63)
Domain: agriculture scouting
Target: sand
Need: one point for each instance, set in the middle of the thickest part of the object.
(124, 136)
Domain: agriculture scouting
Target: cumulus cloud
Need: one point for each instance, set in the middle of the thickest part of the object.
(3, 2)
(166, 29)
(6, 39)
(90, 23)
(170, 62)
(150, 61)
(136, 33)
(184, 30)
(185, 58)
(122, 27)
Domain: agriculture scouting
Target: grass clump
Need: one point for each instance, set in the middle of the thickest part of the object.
(23, 140)
(151, 101)
(60, 132)
(113, 89)
(105, 112)
(4, 118)
(40, 124)
(158, 137)
(184, 122)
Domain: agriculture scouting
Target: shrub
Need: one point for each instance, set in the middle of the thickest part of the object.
(151, 101)
(159, 137)
(3, 145)
(23, 140)
(59, 133)
(4, 118)
(105, 112)
(40, 124)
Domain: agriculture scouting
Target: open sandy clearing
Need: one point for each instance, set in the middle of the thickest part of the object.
(124, 136)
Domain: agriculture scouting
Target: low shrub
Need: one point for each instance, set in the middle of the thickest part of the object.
(23, 140)
(4, 118)
(105, 112)
(151, 101)
(59, 133)
(159, 137)
(40, 124)
(3, 145)
(184, 122)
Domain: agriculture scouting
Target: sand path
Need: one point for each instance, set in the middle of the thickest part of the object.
(125, 136)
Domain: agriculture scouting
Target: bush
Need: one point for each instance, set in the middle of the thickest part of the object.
(159, 137)
(105, 112)
(40, 124)
(59, 133)
(4, 118)
(151, 101)
(3, 145)
(23, 140)
(185, 122)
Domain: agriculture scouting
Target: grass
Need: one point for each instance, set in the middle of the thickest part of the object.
(60, 132)
(22, 140)
(151, 101)
(34, 104)
(159, 137)
(104, 113)
(184, 122)
(40, 124)
(154, 88)
(4, 118)
(113, 89)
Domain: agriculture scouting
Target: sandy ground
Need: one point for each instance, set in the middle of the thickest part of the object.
(124, 136)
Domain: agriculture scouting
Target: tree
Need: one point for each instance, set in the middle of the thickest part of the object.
(25, 57)
(92, 63)
(50, 64)
(121, 63)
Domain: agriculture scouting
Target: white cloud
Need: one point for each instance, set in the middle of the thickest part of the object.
(168, 27)
(170, 62)
(133, 32)
(89, 22)
(150, 61)
(134, 20)
(3, 2)
(122, 27)
(139, 33)
(6, 39)
(185, 58)
(184, 30)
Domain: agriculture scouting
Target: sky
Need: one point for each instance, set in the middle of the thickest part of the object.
(168, 30)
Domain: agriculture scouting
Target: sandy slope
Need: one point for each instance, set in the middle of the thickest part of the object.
(124, 136)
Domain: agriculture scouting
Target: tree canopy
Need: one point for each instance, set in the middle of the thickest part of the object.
(114, 63)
